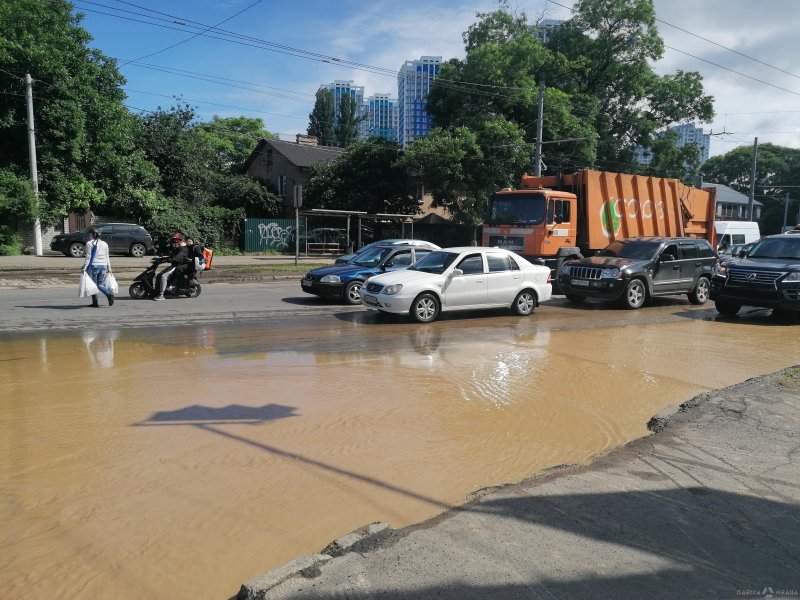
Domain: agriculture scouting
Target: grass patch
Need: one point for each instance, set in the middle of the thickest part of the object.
(272, 268)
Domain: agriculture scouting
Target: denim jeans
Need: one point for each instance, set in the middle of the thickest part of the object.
(98, 275)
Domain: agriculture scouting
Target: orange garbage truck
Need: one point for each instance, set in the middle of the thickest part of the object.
(559, 218)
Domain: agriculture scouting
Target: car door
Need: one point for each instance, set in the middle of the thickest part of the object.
(691, 265)
(109, 235)
(504, 278)
(471, 287)
(667, 271)
(125, 235)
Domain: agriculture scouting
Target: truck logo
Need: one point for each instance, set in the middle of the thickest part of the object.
(611, 212)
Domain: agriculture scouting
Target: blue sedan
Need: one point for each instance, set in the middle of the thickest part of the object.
(343, 282)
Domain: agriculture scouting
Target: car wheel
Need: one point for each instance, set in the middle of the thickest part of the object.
(524, 303)
(699, 295)
(77, 249)
(138, 250)
(635, 294)
(351, 295)
(574, 298)
(137, 290)
(727, 309)
(425, 308)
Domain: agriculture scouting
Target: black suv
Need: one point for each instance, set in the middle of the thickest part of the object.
(122, 238)
(636, 269)
(768, 276)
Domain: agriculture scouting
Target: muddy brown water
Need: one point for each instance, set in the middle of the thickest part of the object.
(181, 463)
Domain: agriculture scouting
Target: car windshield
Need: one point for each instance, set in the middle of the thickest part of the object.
(516, 209)
(434, 262)
(787, 248)
(372, 257)
(631, 249)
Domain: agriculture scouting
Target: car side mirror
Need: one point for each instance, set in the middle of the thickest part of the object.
(456, 273)
(741, 253)
(667, 257)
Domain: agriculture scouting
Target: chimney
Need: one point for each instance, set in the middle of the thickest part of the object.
(306, 140)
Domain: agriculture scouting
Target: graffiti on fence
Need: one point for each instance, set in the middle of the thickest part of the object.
(275, 237)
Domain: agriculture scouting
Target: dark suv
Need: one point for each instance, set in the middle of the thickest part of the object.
(636, 269)
(767, 277)
(122, 238)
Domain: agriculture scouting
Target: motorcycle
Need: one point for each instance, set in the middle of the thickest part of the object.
(143, 285)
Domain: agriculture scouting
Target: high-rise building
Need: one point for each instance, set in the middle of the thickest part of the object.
(341, 88)
(413, 84)
(545, 28)
(380, 112)
(688, 133)
(692, 134)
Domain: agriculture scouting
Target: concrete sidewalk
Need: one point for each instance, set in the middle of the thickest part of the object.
(706, 508)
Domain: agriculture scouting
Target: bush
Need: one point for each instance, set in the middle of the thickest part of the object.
(10, 242)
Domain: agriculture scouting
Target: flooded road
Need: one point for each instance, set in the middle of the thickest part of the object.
(181, 462)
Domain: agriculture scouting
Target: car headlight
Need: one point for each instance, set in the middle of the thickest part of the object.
(792, 277)
(721, 270)
(610, 273)
(566, 269)
(390, 290)
(330, 279)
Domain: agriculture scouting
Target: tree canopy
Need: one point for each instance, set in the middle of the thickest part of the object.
(321, 120)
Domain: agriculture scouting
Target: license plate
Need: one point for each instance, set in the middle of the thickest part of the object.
(580, 283)
(305, 283)
(371, 300)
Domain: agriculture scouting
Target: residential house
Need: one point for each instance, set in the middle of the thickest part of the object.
(733, 205)
(285, 165)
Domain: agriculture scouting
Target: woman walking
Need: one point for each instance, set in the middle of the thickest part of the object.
(96, 264)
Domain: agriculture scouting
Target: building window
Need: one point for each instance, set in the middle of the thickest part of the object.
(282, 185)
(268, 157)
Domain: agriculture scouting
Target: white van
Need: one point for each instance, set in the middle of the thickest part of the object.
(736, 232)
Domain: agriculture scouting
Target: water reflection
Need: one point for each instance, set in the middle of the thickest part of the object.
(101, 347)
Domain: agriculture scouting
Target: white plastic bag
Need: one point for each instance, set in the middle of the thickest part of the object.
(86, 287)
(111, 283)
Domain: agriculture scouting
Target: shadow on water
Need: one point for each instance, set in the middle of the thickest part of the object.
(203, 417)
(715, 544)
(233, 413)
(747, 316)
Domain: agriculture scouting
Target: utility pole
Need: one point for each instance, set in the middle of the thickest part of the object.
(37, 224)
(785, 213)
(752, 182)
(537, 158)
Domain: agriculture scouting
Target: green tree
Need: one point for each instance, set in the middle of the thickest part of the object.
(366, 177)
(601, 85)
(321, 121)
(232, 139)
(86, 154)
(347, 122)
(777, 172)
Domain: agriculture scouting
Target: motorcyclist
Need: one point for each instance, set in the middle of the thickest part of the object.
(179, 263)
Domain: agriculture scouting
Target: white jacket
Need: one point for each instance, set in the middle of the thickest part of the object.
(100, 257)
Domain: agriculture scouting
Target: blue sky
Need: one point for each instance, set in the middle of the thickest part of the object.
(278, 85)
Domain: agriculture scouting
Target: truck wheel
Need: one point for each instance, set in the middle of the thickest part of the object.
(574, 298)
(699, 295)
(727, 309)
(524, 303)
(635, 294)
(351, 295)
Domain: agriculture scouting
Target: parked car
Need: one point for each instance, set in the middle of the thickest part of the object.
(451, 279)
(122, 238)
(343, 281)
(735, 250)
(636, 269)
(421, 243)
(768, 277)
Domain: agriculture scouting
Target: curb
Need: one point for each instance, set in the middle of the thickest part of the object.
(361, 540)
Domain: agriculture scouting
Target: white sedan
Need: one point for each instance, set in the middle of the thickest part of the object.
(468, 278)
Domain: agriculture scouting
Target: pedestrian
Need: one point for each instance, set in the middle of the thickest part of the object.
(196, 254)
(96, 264)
